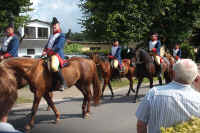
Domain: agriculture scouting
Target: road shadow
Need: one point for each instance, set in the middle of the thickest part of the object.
(20, 122)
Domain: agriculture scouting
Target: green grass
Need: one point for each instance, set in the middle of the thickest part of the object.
(125, 82)
(119, 83)
(23, 100)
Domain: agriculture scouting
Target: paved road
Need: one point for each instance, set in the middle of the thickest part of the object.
(111, 116)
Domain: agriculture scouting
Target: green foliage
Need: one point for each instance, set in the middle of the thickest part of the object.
(191, 126)
(187, 51)
(136, 19)
(101, 51)
(14, 10)
(78, 37)
(73, 48)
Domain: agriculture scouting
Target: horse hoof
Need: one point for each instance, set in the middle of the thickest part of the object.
(27, 127)
(57, 120)
(48, 108)
(86, 116)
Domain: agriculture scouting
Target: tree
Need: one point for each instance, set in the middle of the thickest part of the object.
(14, 10)
(137, 19)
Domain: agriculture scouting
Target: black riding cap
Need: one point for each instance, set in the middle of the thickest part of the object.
(54, 21)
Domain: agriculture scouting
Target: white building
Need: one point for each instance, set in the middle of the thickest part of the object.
(36, 34)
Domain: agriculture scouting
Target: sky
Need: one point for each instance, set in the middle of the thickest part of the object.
(66, 11)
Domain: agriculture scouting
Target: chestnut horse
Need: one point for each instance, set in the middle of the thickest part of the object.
(106, 70)
(80, 72)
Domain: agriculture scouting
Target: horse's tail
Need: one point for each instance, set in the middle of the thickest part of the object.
(96, 87)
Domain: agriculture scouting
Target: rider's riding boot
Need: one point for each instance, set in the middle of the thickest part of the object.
(62, 81)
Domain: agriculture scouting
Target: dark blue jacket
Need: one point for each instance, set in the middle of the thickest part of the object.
(58, 46)
(13, 46)
(118, 54)
(179, 53)
(158, 46)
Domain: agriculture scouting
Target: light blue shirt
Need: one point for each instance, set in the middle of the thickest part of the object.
(7, 128)
(167, 105)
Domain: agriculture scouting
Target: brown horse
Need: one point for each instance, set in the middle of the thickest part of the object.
(80, 72)
(147, 68)
(106, 70)
(171, 61)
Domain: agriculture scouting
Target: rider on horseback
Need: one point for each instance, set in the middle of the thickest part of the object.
(11, 43)
(155, 43)
(54, 49)
(177, 52)
(116, 53)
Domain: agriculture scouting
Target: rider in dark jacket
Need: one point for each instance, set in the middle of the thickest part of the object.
(11, 43)
(55, 49)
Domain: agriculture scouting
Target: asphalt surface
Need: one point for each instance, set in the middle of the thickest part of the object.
(115, 115)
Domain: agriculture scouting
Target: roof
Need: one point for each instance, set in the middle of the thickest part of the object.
(37, 20)
(31, 44)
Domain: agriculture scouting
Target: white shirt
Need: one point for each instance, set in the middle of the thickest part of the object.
(6, 42)
(52, 39)
(6, 127)
(114, 50)
(175, 51)
(167, 105)
(152, 44)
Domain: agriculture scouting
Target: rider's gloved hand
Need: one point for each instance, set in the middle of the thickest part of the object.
(44, 53)
(111, 57)
(2, 57)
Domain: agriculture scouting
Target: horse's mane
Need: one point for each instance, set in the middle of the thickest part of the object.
(22, 63)
(103, 58)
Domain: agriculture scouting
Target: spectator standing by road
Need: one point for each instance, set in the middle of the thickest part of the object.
(7, 100)
(167, 105)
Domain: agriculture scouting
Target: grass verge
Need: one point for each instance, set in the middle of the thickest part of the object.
(23, 100)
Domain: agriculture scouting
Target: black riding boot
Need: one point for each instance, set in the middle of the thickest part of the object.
(62, 80)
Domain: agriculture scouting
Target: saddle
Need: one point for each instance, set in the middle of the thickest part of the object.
(47, 63)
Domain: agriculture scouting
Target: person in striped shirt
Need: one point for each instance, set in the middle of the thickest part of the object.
(167, 105)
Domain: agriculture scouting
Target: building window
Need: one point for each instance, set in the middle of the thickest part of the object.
(29, 32)
(42, 33)
(30, 51)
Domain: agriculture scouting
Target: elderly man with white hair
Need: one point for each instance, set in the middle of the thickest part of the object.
(166, 105)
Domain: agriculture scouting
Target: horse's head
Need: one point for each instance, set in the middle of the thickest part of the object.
(95, 57)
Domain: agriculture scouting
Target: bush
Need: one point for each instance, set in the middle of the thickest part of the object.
(101, 52)
(73, 48)
(187, 51)
(191, 126)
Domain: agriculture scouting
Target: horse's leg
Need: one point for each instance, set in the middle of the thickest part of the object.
(51, 96)
(160, 79)
(48, 98)
(104, 86)
(138, 86)
(83, 91)
(37, 98)
(151, 82)
(84, 106)
(110, 87)
(89, 95)
(130, 85)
